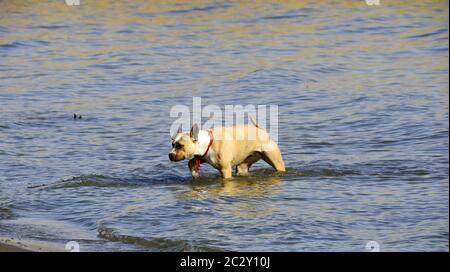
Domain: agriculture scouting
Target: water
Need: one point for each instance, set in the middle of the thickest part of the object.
(363, 100)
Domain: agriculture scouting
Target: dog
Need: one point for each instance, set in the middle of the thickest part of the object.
(226, 148)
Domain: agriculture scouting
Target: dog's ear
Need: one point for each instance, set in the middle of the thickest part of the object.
(176, 133)
(194, 132)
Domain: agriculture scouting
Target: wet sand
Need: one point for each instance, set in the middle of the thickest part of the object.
(11, 248)
(17, 245)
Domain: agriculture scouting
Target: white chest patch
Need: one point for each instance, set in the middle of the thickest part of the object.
(203, 142)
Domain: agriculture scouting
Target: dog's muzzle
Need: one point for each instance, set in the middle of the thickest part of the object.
(171, 156)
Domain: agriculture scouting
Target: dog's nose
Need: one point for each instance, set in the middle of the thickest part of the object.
(171, 156)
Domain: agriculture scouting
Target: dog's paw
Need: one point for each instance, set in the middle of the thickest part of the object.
(195, 174)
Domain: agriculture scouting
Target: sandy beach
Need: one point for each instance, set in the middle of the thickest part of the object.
(11, 248)
(18, 245)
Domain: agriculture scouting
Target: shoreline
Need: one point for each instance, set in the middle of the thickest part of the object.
(12, 248)
(18, 245)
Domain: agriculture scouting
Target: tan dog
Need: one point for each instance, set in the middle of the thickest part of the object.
(225, 148)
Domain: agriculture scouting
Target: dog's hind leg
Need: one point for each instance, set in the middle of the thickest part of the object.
(272, 155)
(243, 168)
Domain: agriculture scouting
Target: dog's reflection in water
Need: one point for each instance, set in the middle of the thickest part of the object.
(244, 197)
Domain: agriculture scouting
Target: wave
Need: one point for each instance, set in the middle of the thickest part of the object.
(205, 8)
(95, 180)
(153, 244)
(162, 174)
(5, 213)
(24, 44)
(428, 34)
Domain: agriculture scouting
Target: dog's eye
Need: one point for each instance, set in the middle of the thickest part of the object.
(178, 146)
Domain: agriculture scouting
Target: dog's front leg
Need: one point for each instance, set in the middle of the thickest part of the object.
(226, 171)
(192, 168)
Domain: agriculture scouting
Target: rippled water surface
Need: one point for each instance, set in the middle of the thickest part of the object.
(363, 123)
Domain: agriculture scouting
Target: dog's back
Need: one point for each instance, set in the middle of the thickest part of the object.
(237, 143)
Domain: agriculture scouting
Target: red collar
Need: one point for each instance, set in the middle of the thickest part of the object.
(198, 157)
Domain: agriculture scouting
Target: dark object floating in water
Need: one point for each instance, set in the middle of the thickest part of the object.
(75, 116)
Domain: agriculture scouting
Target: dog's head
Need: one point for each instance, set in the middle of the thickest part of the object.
(184, 144)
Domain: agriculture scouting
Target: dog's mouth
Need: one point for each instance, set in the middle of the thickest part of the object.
(173, 157)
